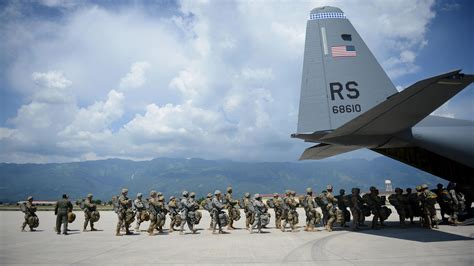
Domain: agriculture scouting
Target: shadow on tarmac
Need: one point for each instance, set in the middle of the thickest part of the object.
(413, 233)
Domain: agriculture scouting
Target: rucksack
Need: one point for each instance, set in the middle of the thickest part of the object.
(303, 201)
(322, 200)
(393, 200)
(346, 199)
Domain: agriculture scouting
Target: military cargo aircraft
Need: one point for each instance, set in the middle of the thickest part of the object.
(348, 102)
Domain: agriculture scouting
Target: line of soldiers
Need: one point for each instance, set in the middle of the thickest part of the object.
(185, 211)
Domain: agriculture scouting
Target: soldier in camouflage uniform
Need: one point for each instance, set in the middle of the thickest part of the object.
(428, 201)
(140, 208)
(260, 213)
(341, 204)
(61, 210)
(207, 205)
(186, 206)
(400, 202)
(278, 209)
(331, 208)
(89, 207)
(153, 208)
(291, 215)
(413, 204)
(310, 210)
(217, 210)
(173, 208)
(231, 203)
(374, 204)
(29, 211)
(356, 208)
(248, 210)
(123, 205)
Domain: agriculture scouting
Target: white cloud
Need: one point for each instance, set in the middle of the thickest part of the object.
(200, 82)
(136, 77)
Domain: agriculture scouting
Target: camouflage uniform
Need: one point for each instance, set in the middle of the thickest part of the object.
(413, 206)
(278, 208)
(342, 206)
(456, 202)
(61, 210)
(310, 210)
(331, 208)
(249, 213)
(123, 205)
(291, 215)
(231, 205)
(260, 211)
(356, 208)
(89, 207)
(400, 202)
(374, 204)
(186, 206)
(30, 210)
(207, 205)
(428, 201)
(140, 208)
(217, 211)
(154, 208)
(175, 218)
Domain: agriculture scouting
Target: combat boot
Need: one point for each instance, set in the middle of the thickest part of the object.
(92, 228)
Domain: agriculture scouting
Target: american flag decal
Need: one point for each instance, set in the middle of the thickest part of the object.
(343, 50)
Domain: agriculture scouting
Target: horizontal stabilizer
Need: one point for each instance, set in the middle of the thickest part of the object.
(406, 108)
(322, 151)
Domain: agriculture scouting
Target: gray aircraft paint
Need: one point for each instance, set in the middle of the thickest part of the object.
(395, 124)
(321, 68)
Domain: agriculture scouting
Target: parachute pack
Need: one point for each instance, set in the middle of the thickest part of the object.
(71, 217)
(95, 216)
(393, 200)
(33, 221)
(271, 203)
(322, 200)
(346, 200)
(223, 219)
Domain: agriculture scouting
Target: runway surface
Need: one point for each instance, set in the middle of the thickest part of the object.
(391, 245)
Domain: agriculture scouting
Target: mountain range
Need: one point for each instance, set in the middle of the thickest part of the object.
(105, 178)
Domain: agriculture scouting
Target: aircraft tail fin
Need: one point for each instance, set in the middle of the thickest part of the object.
(341, 77)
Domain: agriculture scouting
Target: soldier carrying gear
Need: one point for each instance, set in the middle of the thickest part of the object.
(123, 206)
(413, 206)
(248, 210)
(206, 204)
(89, 209)
(356, 208)
(261, 214)
(456, 202)
(232, 209)
(400, 202)
(30, 215)
(173, 208)
(312, 216)
(291, 215)
(220, 217)
(277, 205)
(373, 202)
(186, 207)
(343, 203)
(61, 210)
(154, 210)
(141, 209)
(428, 201)
(194, 214)
(331, 208)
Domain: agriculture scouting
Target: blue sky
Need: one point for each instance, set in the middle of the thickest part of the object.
(86, 80)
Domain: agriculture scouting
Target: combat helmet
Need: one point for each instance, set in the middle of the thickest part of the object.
(418, 188)
(217, 192)
(29, 198)
(257, 196)
(372, 188)
(209, 195)
(309, 190)
(229, 189)
(185, 194)
(424, 186)
(276, 195)
(192, 195)
(172, 197)
(89, 195)
(139, 195)
(159, 194)
(161, 198)
(329, 187)
(247, 195)
(152, 193)
(124, 190)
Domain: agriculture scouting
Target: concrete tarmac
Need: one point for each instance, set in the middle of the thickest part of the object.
(390, 245)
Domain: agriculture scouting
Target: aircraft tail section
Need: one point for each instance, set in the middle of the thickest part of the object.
(341, 77)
